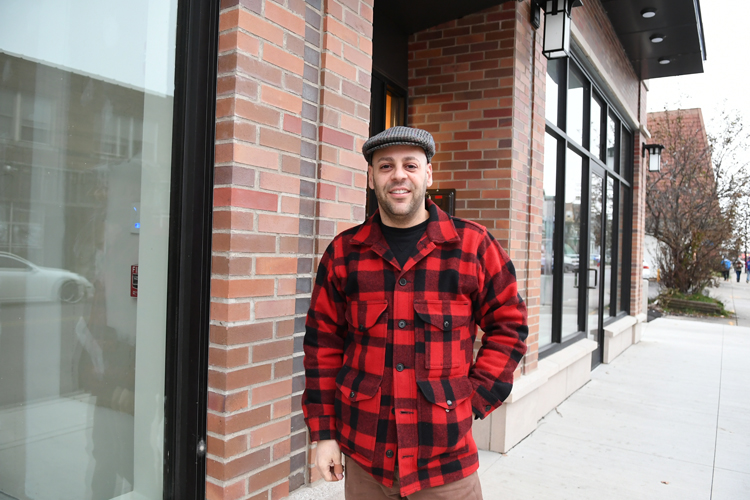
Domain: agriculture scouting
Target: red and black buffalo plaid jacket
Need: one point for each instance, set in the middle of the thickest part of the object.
(389, 362)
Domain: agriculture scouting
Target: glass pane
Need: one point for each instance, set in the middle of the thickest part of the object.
(555, 70)
(571, 239)
(548, 221)
(613, 130)
(394, 110)
(575, 106)
(86, 91)
(596, 128)
(626, 153)
(609, 236)
(594, 270)
(622, 260)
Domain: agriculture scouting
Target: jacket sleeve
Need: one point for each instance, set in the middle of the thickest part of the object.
(501, 314)
(325, 330)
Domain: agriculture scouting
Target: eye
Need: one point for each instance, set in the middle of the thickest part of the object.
(412, 166)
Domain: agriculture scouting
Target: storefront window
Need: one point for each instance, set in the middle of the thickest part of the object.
(86, 98)
(606, 267)
(576, 92)
(555, 69)
(571, 242)
(596, 128)
(548, 253)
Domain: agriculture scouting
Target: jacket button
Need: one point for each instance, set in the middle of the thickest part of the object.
(487, 408)
(352, 394)
(389, 453)
(449, 402)
(447, 323)
(393, 411)
(402, 282)
(402, 324)
(447, 410)
(361, 328)
(400, 367)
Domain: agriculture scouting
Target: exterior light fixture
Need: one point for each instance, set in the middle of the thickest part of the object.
(664, 60)
(648, 13)
(557, 27)
(654, 156)
(656, 38)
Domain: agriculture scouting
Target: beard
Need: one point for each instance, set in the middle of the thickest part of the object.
(401, 210)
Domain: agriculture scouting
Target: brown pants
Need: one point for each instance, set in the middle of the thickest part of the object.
(359, 485)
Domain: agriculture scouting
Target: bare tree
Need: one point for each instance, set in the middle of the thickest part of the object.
(693, 202)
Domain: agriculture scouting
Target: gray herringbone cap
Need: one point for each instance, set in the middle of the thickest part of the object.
(399, 135)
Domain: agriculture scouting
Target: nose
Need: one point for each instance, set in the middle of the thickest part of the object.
(399, 173)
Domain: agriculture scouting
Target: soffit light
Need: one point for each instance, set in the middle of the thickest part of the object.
(656, 38)
(654, 156)
(664, 60)
(557, 26)
(648, 12)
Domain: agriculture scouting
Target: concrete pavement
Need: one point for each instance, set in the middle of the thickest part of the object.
(736, 297)
(667, 419)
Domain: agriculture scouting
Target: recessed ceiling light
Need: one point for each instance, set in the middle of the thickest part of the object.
(664, 60)
(648, 12)
(656, 38)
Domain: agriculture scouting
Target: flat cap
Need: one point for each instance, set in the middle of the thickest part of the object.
(399, 136)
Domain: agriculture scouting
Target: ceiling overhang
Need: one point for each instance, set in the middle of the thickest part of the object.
(678, 21)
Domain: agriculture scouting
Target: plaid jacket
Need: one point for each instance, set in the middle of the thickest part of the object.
(389, 350)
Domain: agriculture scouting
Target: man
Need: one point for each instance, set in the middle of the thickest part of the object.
(390, 375)
(747, 269)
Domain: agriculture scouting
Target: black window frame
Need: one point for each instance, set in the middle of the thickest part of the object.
(189, 265)
(620, 306)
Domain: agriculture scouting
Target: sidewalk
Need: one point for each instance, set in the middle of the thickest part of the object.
(736, 297)
(668, 419)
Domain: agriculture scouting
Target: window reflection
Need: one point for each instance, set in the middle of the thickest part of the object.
(613, 130)
(571, 241)
(606, 267)
(555, 70)
(85, 143)
(575, 106)
(548, 255)
(596, 128)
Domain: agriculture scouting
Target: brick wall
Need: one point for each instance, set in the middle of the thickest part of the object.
(472, 84)
(292, 110)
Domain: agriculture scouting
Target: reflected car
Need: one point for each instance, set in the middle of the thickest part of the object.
(648, 270)
(24, 281)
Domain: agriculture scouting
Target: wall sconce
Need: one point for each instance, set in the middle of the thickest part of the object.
(654, 156)
(556, 25)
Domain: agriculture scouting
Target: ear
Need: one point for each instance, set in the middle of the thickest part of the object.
(428, 170)
(370, 172)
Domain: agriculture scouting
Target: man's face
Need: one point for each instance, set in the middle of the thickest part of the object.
(400, 176)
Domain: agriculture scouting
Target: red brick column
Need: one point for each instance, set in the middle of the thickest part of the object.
(292, 110)
(472, 85)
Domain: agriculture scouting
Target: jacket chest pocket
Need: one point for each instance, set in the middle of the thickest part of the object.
(443, 327)
(364, 353)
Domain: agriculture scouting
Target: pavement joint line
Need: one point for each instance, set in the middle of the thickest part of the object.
(718, 414)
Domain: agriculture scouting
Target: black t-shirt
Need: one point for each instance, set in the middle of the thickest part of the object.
(403, 241)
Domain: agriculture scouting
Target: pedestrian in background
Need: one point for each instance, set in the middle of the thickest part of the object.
(726, 266)
(747, 269)
(738, 267)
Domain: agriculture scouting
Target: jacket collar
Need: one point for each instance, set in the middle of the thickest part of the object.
(440, 228)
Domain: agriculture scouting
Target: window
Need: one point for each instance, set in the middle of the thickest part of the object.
(587, 164)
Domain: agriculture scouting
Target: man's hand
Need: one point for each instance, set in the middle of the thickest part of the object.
(328, 460)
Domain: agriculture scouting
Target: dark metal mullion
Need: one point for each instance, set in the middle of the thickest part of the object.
(189, 265)
(558, 262)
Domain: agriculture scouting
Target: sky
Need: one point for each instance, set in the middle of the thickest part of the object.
(725, 82)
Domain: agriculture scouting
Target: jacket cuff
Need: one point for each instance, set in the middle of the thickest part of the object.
(321, 428)
(483, 402)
